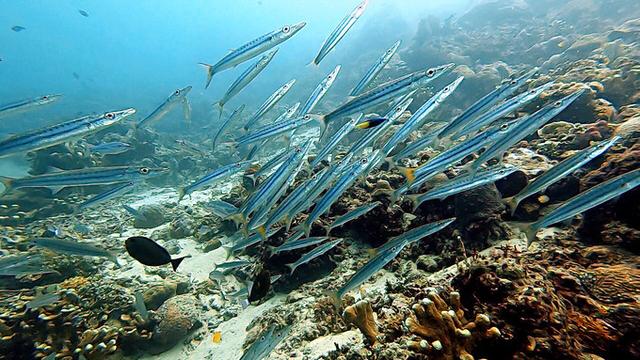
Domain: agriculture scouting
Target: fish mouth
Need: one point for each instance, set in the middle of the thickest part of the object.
(186, 90)
(52, 98)
(297, 27)
(124, 113)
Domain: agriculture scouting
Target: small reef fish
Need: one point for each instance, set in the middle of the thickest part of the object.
(320, 250)
(83, 13)
(216, 175)
(150, 253)
(222, 208)
(584, 201)
(377, 67)
(271, 101)
(42, 300)
(340, 31)
(245, 78)
(73, 248)
(352, 215)
(298, 244)
(135, 213)
(234, 115)
(320, 91)
(25, 105)
(140, 307)
(21, 265)
(60, 133)
(415, 234)
(179, 96)
(501, 92)
(462, 183)
(107, 195)
(559, 171)
(266, 342)
(334, 141)
(83, 177)
(252, 49)
(110, 148)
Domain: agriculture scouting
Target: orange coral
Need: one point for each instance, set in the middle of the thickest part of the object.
(361, 315)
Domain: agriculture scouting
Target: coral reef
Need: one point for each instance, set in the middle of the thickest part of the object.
(362, 316)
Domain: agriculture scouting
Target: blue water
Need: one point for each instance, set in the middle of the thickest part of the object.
(134, 54)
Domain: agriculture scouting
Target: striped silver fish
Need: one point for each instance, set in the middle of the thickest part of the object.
(298, 244)
(559, 171)
(271, 101)
(57, 134)
(352, 215)
(268, 340)
(461, 184)
(501, 92)
(216, 175)
(319, 92)
(232, 248)
(415, 234)
(107, 195)
(417, 145)
(25, 105)
(275, 129)
(275, 161)
(335, 140)
(58, 180)
(523, 128)
(377, 67)
(320, 250)
(234, 115)
(288, 114)
(584, 201)
(110, 148)
(177, 97)
(245, 78)
(221, 208)
(417, 118)
(383, 93)
(340, 31)
(73, 248)
(252, 49)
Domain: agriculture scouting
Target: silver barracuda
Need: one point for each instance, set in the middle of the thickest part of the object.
(177, 97)
(501, 92)
(245, 78)
(110, 148)
(417, 145)
(231, 265)
(265, 343)
(335, 139)
(107, 195)
(559, 171)
(524, 128)
(57, 134)
(221, 208)
(415, 234)
(216, 175)
(384, 93)
(341, 185)
(73, 248)
(502, 110)
(234, 115)
(352, 215)
(275, 129)
(320, 250)
(584, 201)
(377, 67)
(340, 31)
(462, 183)
(319, 92)
(25, 105)
(252, 49)
(246, 242)
(418, 117)
(271, 101)
(298, 244)
(83, 177)
(275, 161)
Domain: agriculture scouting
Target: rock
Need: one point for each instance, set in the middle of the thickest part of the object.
(151, 216)
(157, 294)
(182, 227)
(176, 318)
(512, 184)
(428, 263)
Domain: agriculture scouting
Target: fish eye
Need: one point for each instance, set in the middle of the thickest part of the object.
(504, 126)
(177, 92)
(430, 72)
(513, 82)
(363, 161)
(286, 29)
(446, 89)
(557, 103)
(329, 77)
(109, 115)
(307, 117)
(532, 91)
(144, 170)
(45, 97)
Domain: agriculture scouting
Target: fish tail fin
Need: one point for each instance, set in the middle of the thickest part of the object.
(220, 106)
(414, 198)
(306, 228)
(262, 230)
(181, 194)
(391, 164)
(237, 218)
(209, 69)
(529, 229)
(408, 173)
(335, 299)
(321, 120)
(228, 252)
(512, 204)
(7, 184)
(176, 262)
(292, 268)
(372, 252)
(395, 195)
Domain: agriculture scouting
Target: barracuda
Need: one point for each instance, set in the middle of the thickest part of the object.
(107, 195)
(584, 201)
(417, 145)
(57, 134)
(352, 215)
(269, 165)
(383, 93)
(377, 67)
(271, 101)
(462, 183)
(232, 249)
(503, 110)
(252, 49)
(523, 128)
(83, 177)
(25, 105)
(234, 115)
(415, 234)
(245, 78)
(340, 31)
(275, 129)
(320, 250)
(559, 171)
(298, 244)
(485, 103)
(319, 92)
(216, 175)
(177, 97)
(334, 141)
(417, 118)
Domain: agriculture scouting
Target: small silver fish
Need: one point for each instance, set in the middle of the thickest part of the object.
(320, 250)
